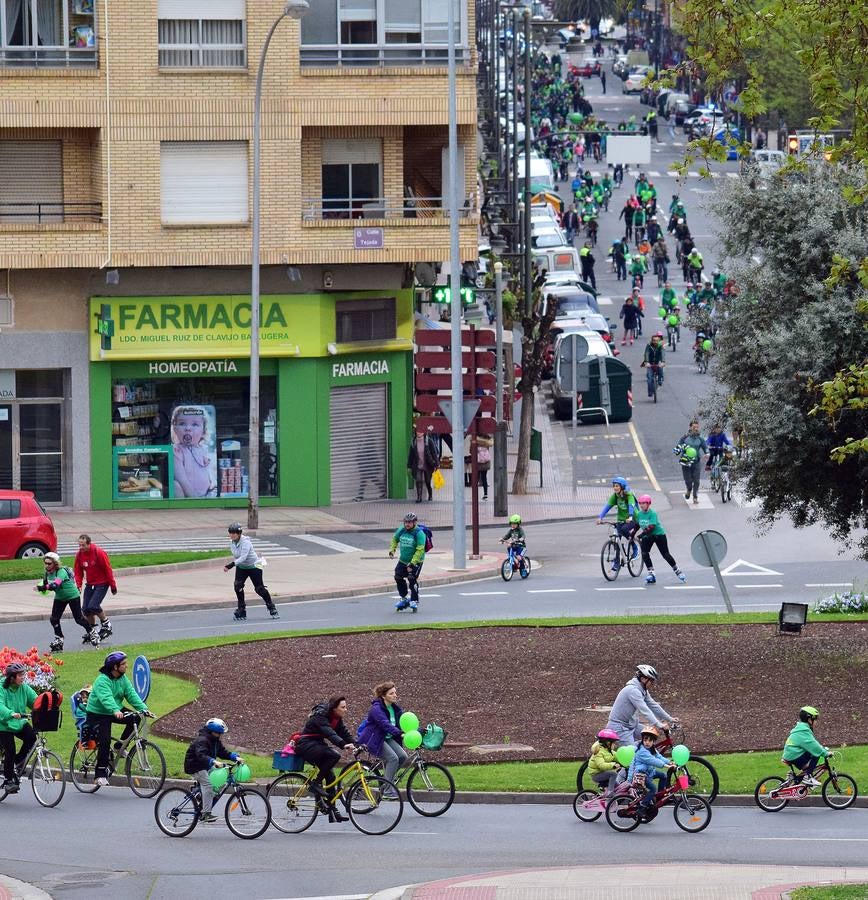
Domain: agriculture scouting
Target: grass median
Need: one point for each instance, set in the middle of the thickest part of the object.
(831, 892)
(34, 568)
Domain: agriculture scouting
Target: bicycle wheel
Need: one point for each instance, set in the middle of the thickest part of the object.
(293, 803)
(369, 811)
(82, 769)
(715, 482)
(430, 789)
(635, 564)
(763, 794)
(146, 769)
(839, 791)
(608, 555)
(703, 778)
(177, 811)
(692, 813)
(580, 777)
(247, 813)
(524, 567)
(581, 813)
(619, 815)
(48, 778)
(506, 569)
(725, 488)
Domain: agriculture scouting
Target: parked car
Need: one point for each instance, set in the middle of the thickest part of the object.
(26, 530)
(620, 66)
(557, 259)
(589, 68)
(726, 136)
(573, 300)
(764, 163)
(596, 321)
(547, 237)
(635, 79)
(597, 347)
(701, 120)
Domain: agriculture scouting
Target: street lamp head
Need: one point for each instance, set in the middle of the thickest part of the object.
(295, 9)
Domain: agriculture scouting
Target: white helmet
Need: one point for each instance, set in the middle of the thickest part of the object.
(646, 671)
(217, 726)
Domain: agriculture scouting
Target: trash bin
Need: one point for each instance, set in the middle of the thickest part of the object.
(620, 391)
(536, 444)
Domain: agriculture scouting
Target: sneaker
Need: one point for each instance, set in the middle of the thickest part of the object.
(650, 578)
(56, 644)
(810, 781)
(94, 638)
(414, 606)
(105, 630)
(635, 552)
(681, 576)
(687, 496)
(274, 613)
(402, 604)
(616, 567)
(696, 499)
(86, 637)
(208, 818)
(11, 786)
(101, 782)
(239, 616)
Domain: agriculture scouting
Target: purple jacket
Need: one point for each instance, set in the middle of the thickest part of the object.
(379, 725)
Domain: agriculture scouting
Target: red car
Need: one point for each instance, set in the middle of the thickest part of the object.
(587, 69)
(25, 528)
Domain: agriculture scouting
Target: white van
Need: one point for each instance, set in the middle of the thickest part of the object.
(541, 174)
(557, 259)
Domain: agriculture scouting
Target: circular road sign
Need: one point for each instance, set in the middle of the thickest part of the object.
(708, 548)
(142, 677)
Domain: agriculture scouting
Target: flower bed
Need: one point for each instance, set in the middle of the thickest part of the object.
(845, 602)
(41, 672)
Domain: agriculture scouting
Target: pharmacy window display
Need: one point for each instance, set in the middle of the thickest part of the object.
(178, 439)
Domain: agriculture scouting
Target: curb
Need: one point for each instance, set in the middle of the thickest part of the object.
(368, 589)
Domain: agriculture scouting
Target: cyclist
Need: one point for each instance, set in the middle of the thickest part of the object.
(673, 325)
(515, 536)
(654, 361)
(650, 533)
(718, 281)
(381, 731)
(631, 314)
(717, 442)
(204, 753)
(325, 724)
(694, 265)
(409, 540)
(638, 268)
(602, 765)
(247, 564)
(690, 449)
(105, 705)
(660, 255)
(639, 219)
(668, 296)
(633, 701)
(626, 506)
(802, 749)
(60, 579)
(16, 699)
(651, 764)
(627, 215)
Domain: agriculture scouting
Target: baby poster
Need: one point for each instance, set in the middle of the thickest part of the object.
(194, 447)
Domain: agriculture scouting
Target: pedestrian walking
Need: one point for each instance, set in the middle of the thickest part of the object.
(619, 257)
(423, 458)
(247, 564)
(690, 450)
(92, 565)
(571, 223)
(586, 260)
(603, 79)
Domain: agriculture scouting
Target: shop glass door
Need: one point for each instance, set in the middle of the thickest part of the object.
(40, 457)
(6, 448)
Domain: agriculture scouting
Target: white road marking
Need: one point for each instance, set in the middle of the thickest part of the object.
(642, 457)
(732, 569)
(620, 589)
(759, 585)
(831, 584)
(604, 301)
(689, 587)
(553, 591)
(482, 593)
(827, 840)
(327, 542)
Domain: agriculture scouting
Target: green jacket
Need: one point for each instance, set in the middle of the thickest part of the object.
(602, 760)
(62, 583)
(109, 693)
(410, 545)
(802, 740)
(17, 698)
(649, 518)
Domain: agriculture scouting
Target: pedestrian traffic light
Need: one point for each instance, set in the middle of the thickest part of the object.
(792, 145)
(443, 294)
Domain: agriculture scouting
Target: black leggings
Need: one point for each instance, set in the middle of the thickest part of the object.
(101, 726)
(255, 575)
(318, 753)
(58, 608)
(27, 736)
(646, 542)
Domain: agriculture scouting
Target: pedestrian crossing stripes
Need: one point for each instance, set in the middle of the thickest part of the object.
(604, 301)
(165, 545)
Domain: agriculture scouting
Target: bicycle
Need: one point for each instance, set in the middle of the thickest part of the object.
(839, 790)
(296, 799)
(47, 775)
(654, 378)
(702, 776)
(516, 561)
(619, 548)
(701, 360)
(691, 812)
(145, 768)
(430, 786)
(673, 336)
(590, 805)
(247, 811)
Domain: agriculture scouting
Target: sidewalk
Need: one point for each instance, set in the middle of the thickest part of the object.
(653, 882)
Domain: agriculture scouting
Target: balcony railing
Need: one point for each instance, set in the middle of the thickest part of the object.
(317, 209)
(48, 57)
(379, 55)
(49, 213)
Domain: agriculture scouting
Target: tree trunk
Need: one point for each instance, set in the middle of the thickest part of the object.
(522, 462)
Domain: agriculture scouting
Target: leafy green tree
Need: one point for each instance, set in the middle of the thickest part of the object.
(580, 10)
(800, 318)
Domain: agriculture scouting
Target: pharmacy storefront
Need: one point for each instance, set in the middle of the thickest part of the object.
(170, 399)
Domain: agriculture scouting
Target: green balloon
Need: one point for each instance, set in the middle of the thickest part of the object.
(680, 755)
(672, 320)
(625, 754)
(218, 777)
(409, 722)
(412, 739)
(242, 773)
(707, 346)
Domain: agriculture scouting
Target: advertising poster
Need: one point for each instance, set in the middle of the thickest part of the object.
(194, 447)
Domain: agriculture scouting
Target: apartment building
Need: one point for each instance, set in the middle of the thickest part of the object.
(125, 243)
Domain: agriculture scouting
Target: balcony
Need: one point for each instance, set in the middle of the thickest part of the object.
(49, 213)
(378, 56)
(412, 206)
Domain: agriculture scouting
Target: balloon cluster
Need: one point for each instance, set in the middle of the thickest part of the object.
(409, 724)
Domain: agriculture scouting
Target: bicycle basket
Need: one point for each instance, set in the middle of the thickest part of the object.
(433, 737)
(683, 782)
(287, 762)
(46, 719)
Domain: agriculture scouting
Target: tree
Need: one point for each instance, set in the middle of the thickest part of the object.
(796, 322)
(580, 10)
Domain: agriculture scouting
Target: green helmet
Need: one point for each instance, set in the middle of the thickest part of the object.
(811, 711)
(708, 345)
(672, 320)
(515, 519)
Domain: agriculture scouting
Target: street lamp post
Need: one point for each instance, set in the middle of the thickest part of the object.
(293, 9)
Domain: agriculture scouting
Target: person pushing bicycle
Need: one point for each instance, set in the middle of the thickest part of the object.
(633, 701)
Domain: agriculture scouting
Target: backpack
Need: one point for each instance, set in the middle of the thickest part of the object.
(363, 727)
(429, 536)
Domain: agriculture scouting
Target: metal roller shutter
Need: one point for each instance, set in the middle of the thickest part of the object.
(358, 442)
(31, 172)
(200, 9)
(204, 182)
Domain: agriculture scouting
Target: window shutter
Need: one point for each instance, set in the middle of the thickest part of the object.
(31, 172)
(204, 183)
(201, 9)
(338, 152)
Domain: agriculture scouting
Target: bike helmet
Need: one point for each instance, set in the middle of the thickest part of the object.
(515, 519)
(645, 499)
(235, 528)
(805, 713)
(217, 726)
(410, 517)
(619, 479)
(700, 335)
(658, 334)
(15, 668)
(607, 735)
(644, 669)
(53, 557)
(115, 657)
(650, 729)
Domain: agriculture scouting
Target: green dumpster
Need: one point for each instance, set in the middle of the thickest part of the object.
(620, 391)
(536, 444)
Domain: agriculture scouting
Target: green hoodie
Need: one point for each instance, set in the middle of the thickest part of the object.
(62, 583)
(17, 698)
(109, 693)
(649, 518)
(602, 760)
(802, 740)
(410, 545)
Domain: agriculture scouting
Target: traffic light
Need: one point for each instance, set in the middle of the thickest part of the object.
(792, 145)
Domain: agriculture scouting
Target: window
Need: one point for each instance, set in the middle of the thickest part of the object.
(202, 34)
(7, 310)
(10, 509)
(39, 383)
(31, 181)
(365, 320)
(47, 32)
(351, 178)
(204, 182)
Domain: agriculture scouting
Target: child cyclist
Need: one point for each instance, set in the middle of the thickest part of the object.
(651, 764)
(205, 753)
(625, 502)
(802, 750)
(650, 533)
(602, 765)
(515, 536)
